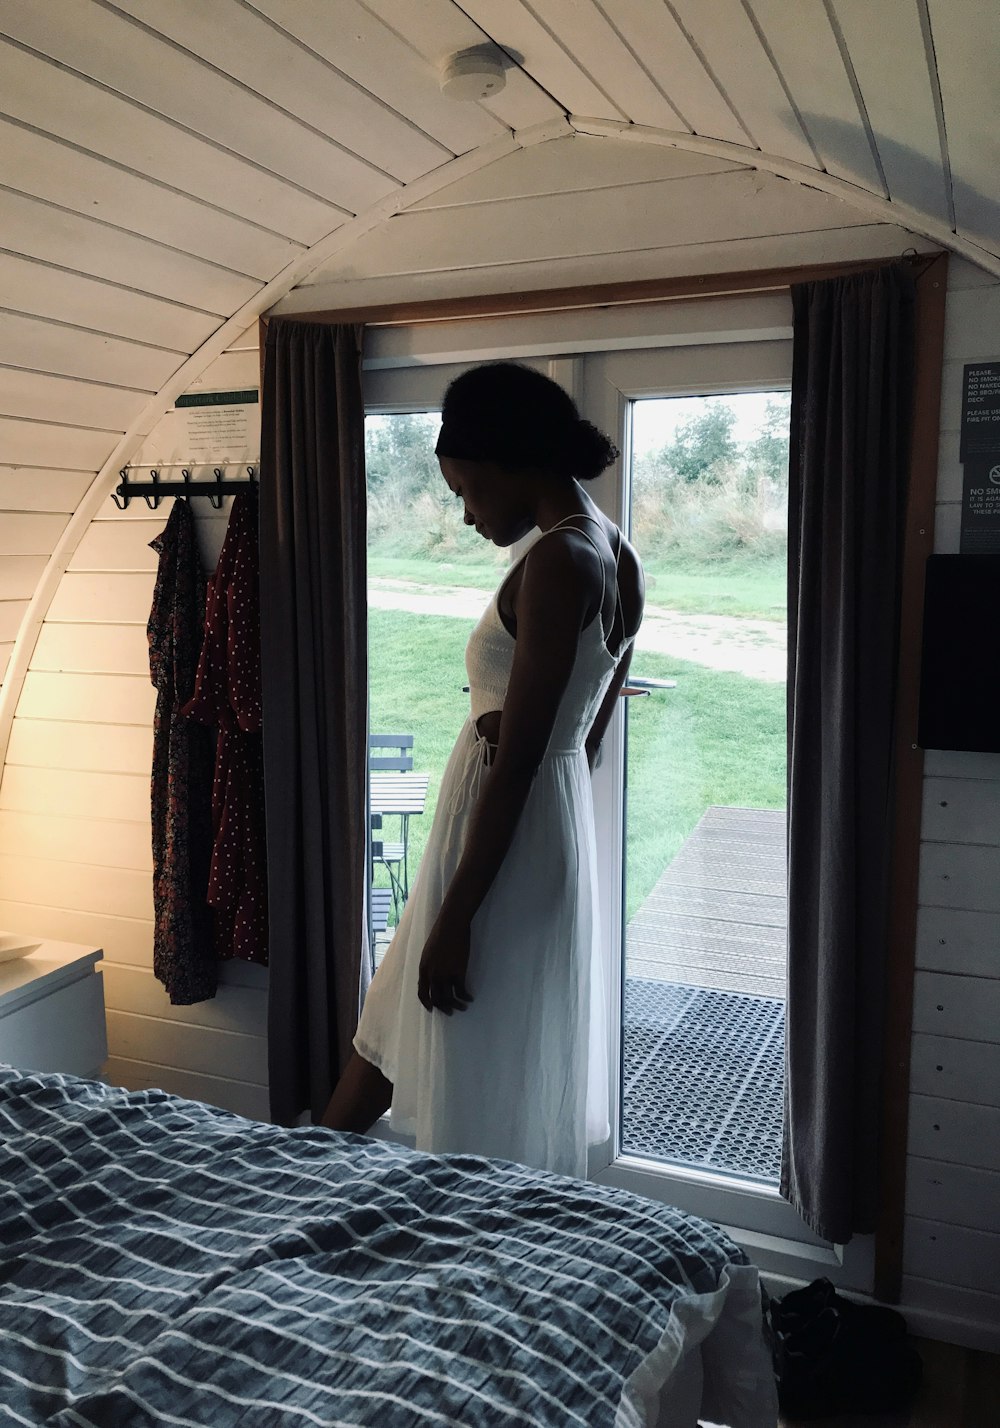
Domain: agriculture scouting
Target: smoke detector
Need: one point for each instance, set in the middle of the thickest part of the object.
(472, 74)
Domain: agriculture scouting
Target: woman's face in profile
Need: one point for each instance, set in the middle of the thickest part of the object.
(490, 499)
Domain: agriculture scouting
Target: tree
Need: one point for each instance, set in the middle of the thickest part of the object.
(399, 455)
(703, 445)
(767, 454)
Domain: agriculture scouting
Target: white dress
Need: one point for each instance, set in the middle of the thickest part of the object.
(522, 1073)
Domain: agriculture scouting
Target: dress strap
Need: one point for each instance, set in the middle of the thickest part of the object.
(565, 524)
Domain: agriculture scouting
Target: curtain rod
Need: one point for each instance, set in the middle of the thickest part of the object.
(154, 490)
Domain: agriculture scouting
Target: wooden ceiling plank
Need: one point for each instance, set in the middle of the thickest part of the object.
(968, 63)
(49, 169)
(589, 29)
(571, 165)
(360, 44)
(886, 49)
(513, 26)
(45, 291)
(39, 396)
(106, 46)
(270, 62)
(30, 533)
(436, 29)
(40, 230)
(19, 575)
(682, 211)
(652, 30)
(35, 488)
(40, 444)
(731, 48)
(69, 106)
(806, 51)
(64, 351)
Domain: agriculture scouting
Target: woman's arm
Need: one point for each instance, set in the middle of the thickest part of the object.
(557, 593)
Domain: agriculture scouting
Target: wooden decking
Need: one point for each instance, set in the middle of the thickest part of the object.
(717, 916)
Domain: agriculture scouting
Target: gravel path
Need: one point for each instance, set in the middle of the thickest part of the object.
(752, 647)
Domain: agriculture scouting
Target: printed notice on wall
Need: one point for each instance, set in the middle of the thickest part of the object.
(981, 506)
(980, 410)
(204, 430)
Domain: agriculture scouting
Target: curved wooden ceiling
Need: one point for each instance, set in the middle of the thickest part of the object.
(171, 168)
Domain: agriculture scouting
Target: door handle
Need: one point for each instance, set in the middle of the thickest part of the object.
(638, 685)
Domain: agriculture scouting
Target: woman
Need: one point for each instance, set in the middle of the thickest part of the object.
(501, 926)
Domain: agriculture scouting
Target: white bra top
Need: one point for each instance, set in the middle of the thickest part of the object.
(489, 658)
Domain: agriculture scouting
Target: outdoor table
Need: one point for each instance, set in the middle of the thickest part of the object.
(398, 793)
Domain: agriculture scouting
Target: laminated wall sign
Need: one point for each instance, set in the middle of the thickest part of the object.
(204, 430)
(979, 451)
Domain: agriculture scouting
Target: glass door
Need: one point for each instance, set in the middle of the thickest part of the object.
(692, 798)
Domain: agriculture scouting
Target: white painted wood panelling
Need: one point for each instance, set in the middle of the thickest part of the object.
(11, 613)
(203, 1050)
(103, 598)
(75, 793)
(19, 573)
(237, 1096)
(30, 443)
(953, 1171)
(45, 346)
(358, 45)
(968, 61)
(100, 649)
(571, 49)
(652, 32)
(26, 534)
(31, 488)
(808, 56)
(269, 63)
(743, 69)
(90, 748)
(898, 100)
(37, 396)
(106, 842)
(46, 882)
(62, 102)
(53, 234)
(436, 29)
(57, 172)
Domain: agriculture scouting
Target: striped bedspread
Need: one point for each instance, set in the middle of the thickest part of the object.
(163, 1262)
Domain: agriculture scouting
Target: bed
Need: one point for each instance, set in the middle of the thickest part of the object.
(165, 1262)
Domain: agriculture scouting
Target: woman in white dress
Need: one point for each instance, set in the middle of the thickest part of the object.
(484, 1028)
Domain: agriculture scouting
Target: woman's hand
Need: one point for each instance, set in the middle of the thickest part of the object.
(443, 966)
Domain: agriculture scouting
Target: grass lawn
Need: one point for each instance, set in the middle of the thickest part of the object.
(718, 738)
(751, 590)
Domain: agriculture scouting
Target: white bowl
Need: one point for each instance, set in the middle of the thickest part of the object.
(15, 944)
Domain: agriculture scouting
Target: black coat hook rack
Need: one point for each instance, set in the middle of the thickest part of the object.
(154, 490)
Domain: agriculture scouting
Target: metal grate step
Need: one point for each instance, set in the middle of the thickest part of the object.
(704, 1078)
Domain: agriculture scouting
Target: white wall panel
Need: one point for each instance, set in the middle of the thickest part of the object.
(62, 102)
(60, 173)
(87, 697)
(951, 1253)
(41, 396)
(122, 892)
(121, 545)
(961, 810)
(106, 842)
(97, 748)
(124, 939)
(28, 534)
(19, 574)
(29, 443)
(75, 793)
(107, 599)
(97, 649)
(203, 1049)
(232, 1009)
(963, 1006)
(46, 346)
(237, 1096)
(953, 1194)
(956, 1132)
(954, 1067)
(11, 614)
(961, 877)
(958, 940)
(31, 488)
(55, 235)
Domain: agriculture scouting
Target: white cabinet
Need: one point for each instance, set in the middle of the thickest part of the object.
(52, 1010)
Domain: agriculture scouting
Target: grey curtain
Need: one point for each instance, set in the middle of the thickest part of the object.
(850, 421)
(315, 691)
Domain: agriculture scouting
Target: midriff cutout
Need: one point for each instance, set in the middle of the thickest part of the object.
(488, 728)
